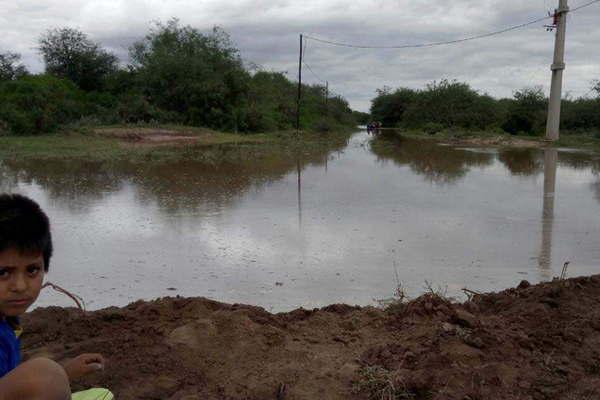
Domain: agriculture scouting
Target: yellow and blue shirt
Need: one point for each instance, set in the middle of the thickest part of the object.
(10, 354)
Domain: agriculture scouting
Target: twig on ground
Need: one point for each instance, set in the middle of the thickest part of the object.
(78, 300)
(281, 391)
(563, 274)
(470, 293)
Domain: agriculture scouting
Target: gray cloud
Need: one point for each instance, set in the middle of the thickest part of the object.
(266, 31)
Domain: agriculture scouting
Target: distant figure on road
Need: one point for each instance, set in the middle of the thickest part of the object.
(373, 127)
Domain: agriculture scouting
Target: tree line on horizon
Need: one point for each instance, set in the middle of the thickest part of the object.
(176, 75)
(446, 104)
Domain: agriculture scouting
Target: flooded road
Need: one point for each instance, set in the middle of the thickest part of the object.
(340, 225)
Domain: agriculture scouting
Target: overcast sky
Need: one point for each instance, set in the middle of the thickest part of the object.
(266, 32)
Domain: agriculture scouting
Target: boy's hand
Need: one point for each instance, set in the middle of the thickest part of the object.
(83, 365)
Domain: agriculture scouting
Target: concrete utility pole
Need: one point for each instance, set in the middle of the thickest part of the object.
(553, 122)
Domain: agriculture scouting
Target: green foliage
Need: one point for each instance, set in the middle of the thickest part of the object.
(10, 67)
(178, 75)
(527, 113)
(389, 107)
(271, 105)
(445, 104)
(68, 53)
(581, 114)
(451, 104)
(362, 118)
(431, 128)
(199, 76)
(37, 104)
(271, 102)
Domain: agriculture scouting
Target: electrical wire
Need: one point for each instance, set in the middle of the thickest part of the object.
(448, 42)
(588, 92)
(313, 72)
(584, 5)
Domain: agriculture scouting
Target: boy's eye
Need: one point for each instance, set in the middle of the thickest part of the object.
(33, 270)
(3, 272)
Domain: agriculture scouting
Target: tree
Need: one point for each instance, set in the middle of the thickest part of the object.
(389, 107)
(451, 104)
(195, 74)
(527, 112)
(70, 54)
(271, 103)
(38, 103)
(10, 67)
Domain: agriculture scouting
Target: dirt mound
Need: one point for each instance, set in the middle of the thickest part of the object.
(497, 141)
(148, 135)
(532, 342)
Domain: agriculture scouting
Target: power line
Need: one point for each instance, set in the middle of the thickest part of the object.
(588, 92)
(313, 72)
(584, 5)
(448, 42)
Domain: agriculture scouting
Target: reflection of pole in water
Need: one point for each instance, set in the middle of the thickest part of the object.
(545, 258)
(299, 173)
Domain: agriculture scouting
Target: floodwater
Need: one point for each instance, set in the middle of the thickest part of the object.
(345, 224)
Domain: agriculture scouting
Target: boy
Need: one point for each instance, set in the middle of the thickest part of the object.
(25, 251)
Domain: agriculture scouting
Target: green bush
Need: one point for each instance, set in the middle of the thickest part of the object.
(389, 107)
(527, 112)
(38, 104)
(185, 71)
(431, 128)
(178, 75)
(580, 114)
(69, 53)
(446, 104)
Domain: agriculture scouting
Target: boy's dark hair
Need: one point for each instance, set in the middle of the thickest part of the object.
(24, 226)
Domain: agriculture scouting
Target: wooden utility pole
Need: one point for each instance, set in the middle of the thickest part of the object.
(558, 66)
(299, 87)
(326, 92)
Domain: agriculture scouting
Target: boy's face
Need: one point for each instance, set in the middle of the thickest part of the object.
(21, 277)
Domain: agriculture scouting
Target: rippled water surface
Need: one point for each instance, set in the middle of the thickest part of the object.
(344, 224)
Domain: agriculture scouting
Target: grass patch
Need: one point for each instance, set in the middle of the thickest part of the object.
(377, 383)
(590, 141)
(112, 143)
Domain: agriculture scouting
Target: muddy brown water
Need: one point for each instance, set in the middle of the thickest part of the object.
(342, 225)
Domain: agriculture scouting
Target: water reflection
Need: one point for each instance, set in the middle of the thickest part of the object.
(229, 228)
(545, 257)
(596, 189)
(521, 161)
(75, 183)
(177, 188)
(299, 174)
(438, 164)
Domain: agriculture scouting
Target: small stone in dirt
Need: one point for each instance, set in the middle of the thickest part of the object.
(473, 341)
(552, 303)
(465, 318)
(448, 327)
(524, 284)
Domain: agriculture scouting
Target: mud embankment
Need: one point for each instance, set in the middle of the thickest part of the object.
(531, 342)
